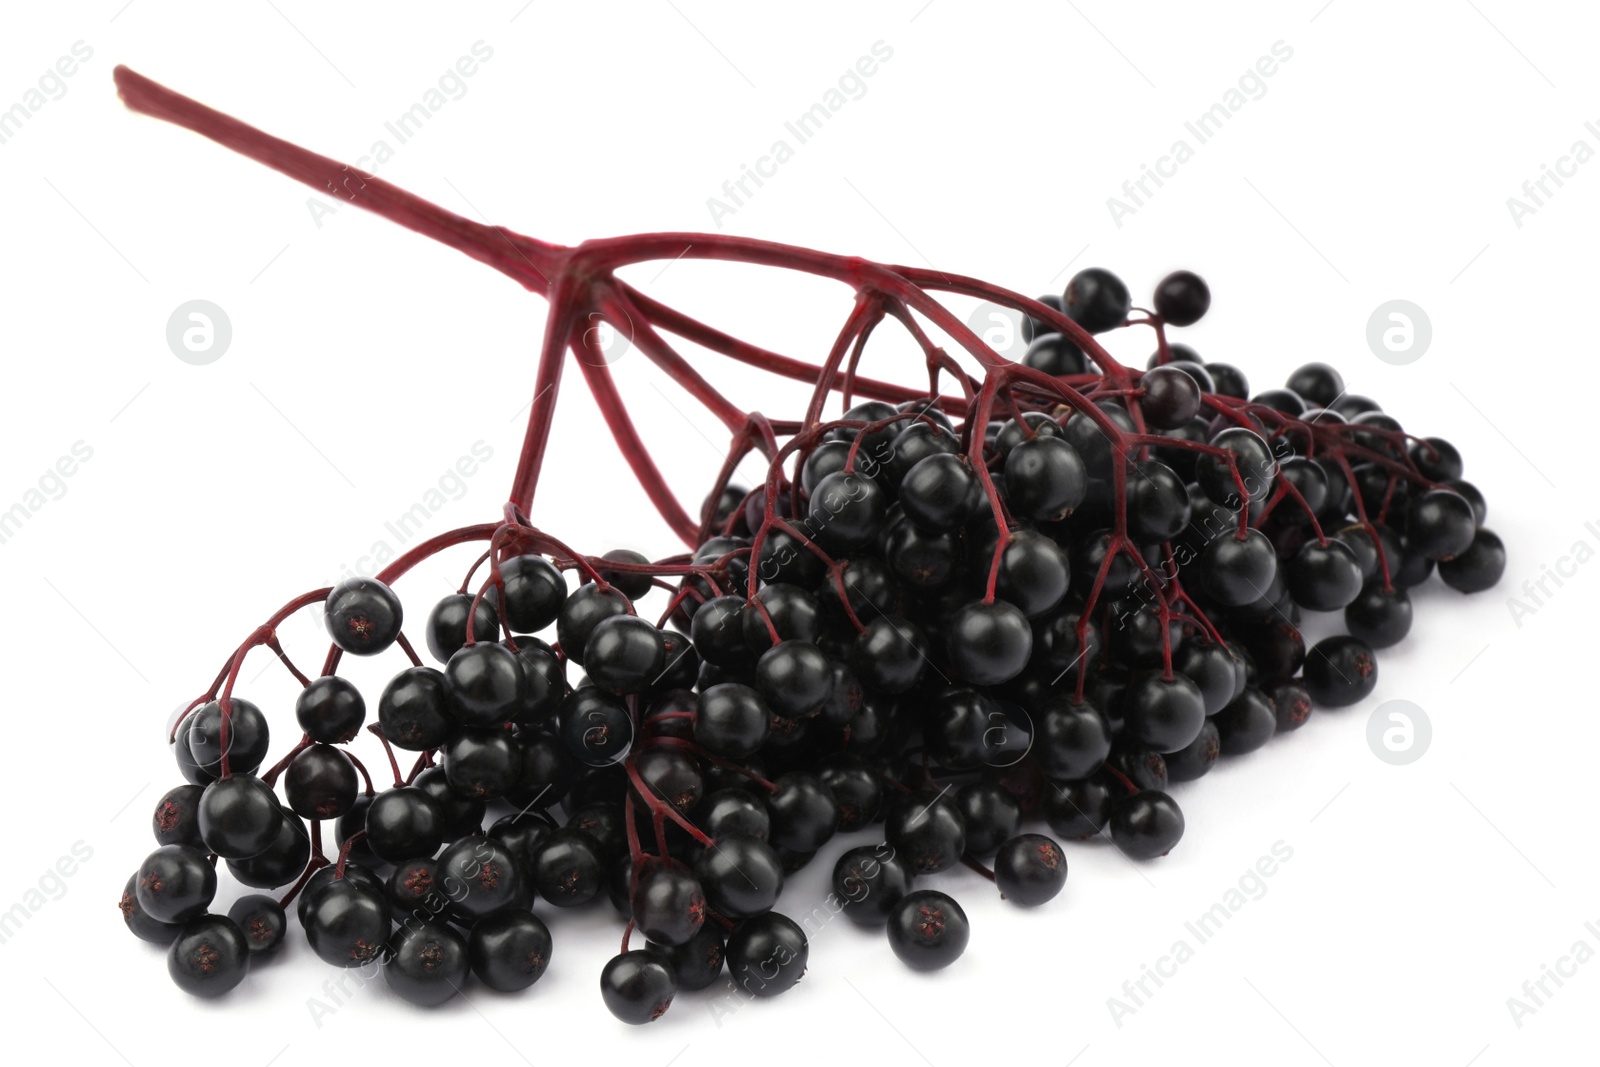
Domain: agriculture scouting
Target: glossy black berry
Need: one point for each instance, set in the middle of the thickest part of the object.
(462, 815)
(989, 643)
(534, 592)
(989, 815)
(403, 824)
(426, 963)
(1097, 300)
(1247, 723)
(596, 727)
(174, 884)
(1436, 459)
(1319, 383)
(1030, 869)
(1323, 577)
(239, 817)
(766, 955)
(624, 654)
(637, 986)
(1053, 354)
(585, 609)
(346, 920)
(176, 820)
(1239, 572)
(139, 921)
(731, 720)
(1211, 667)
(282, 861)
(523, 834)
(320, 783)
(1228, 380)
(447, 623)
(928, 930)
(1035, 327)
(631, 584)
(1252, 458)
(1072, 739)
(890, 654)
(1478, 567)
(1163, 714)
(480, 876)
(1379, 617)
(482, 762)
(416, 712)
(803, 813)
(246, 745)
(363, 616)
(669, 906)
(741, 876)
(1079, 808)
(1171, 398)
(329, 875)
(330, 710)
(847, 510)
(733, 811)
(698, 962)
(718, 632)
(1182, 298)
(415, 892)
(794, 678)
(925, 829)
(1045, 478)
(869, 881)
(567, 871)
(1440, 524)
(1195, 759)
(509, 950)
(1340, 670)
(486, 684)
(1146, 825)
(601, 819)
(939, 493)
(208, 957)
(792, 611)
(261, 920)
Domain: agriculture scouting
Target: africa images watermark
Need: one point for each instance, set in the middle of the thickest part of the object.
(51, 85)
(451, 85)
(1537, 992)
(51, 885)
(1251, 85)
(1537, 592)
(1537, 192)
(52, 485)
(452, 484)
(851, 85)
(1251, 885)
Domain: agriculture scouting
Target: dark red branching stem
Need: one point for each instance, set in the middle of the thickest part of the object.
(272, 774)
(411, 653)
(362, 768)
(316, 864)
(344, 851)
(377, 731)
(975, 865)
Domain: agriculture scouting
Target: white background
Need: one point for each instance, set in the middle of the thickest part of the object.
(366, 360)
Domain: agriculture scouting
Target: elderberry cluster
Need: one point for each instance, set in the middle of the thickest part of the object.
(949, 626)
